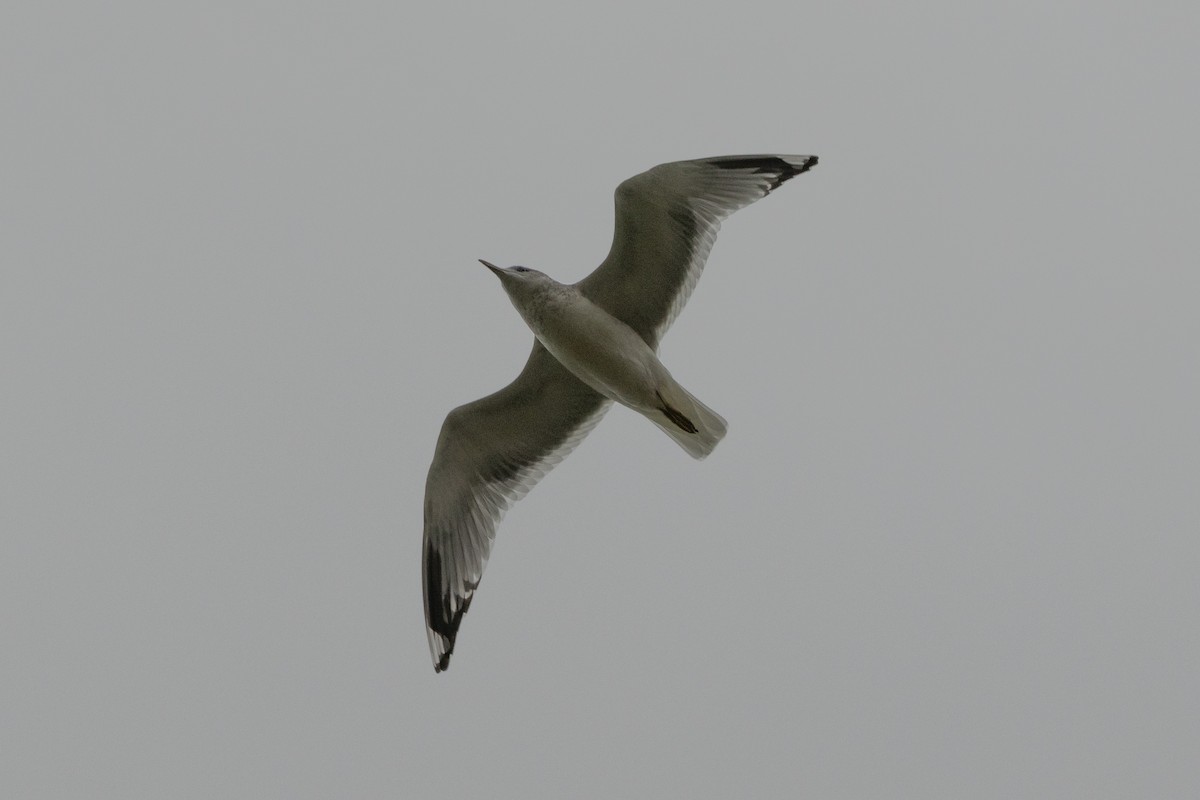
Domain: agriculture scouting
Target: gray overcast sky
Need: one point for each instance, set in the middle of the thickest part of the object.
(949, 547)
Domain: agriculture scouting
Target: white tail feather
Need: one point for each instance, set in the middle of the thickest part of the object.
(710, 426)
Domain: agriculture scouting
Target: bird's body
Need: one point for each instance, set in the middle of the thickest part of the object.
(610, 357)
(595, 346)
(596, 342)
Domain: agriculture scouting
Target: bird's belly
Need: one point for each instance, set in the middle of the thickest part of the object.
(614, 362)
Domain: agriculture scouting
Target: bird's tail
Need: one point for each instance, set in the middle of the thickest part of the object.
(693, 425)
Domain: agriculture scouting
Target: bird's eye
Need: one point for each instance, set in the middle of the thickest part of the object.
(521, 269)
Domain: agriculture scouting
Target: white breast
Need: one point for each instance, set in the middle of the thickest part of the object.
(597, 348)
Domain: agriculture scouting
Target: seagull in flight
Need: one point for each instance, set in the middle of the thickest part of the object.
(595, 342)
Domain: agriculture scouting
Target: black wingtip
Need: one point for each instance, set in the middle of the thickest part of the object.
(442, 622)
(792, 170)
(779, 169)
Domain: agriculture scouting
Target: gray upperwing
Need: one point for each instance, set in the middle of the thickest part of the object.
(489, 454)
(667, 219)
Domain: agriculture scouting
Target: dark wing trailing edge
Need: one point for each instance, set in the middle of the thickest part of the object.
(489, 454)
(667, 219)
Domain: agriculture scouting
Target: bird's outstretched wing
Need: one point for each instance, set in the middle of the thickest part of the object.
(667, 221)
(489, 454)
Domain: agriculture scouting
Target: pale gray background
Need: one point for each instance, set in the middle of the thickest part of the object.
(948, 549)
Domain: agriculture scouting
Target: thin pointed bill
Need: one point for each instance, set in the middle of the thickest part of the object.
(491, 266)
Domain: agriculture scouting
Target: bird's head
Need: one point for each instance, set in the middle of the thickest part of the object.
(521, 280)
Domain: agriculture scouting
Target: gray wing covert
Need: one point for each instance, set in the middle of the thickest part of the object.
(667, 219)
(489, 454)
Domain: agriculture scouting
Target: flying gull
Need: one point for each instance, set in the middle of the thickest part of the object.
(595, 343)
